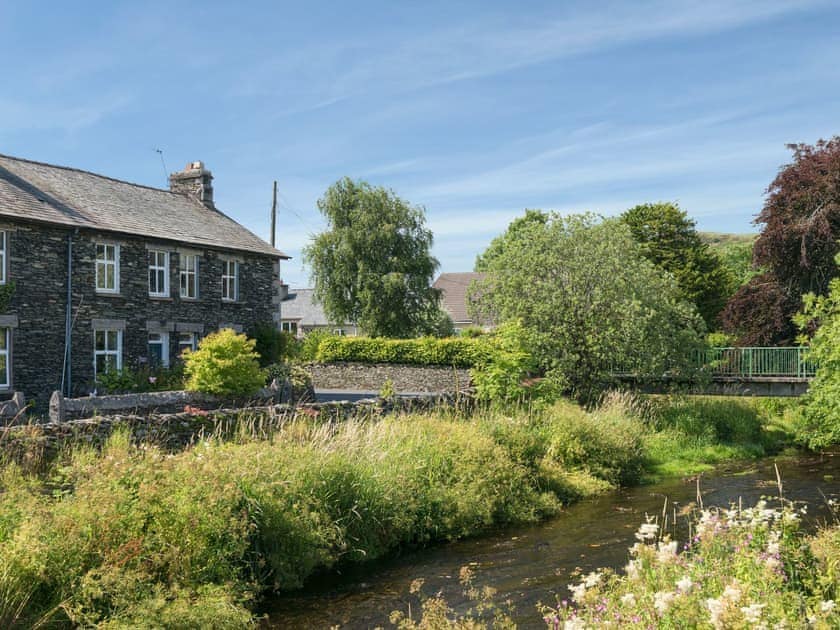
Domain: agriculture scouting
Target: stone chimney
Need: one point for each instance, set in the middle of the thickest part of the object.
(194, 181)
(283, 290)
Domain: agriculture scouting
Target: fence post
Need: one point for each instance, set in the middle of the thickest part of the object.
(749, 363)
(57, 407)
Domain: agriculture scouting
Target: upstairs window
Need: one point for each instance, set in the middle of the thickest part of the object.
(230, 280)
(107, 268)
(189, 276)
(2, 258)
(158, 273)
(107, 351)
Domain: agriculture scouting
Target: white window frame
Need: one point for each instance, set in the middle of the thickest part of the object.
(156, 268)
(6, 353)
(341, 332)
(230, 281)
(193, 341)
(102, 265)
(289, 327)
(4, 239)
(163, 341)
(107, 351)
(186, 282)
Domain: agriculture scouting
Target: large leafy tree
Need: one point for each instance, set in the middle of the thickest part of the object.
(372, 265)
(589, 301)
(517, 227)
(796, 247)
(670, 240)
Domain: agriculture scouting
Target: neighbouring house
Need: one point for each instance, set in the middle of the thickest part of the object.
(454, 299)
(98, 274)
(301, 314)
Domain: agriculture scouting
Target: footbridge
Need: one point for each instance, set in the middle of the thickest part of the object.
(748, 371)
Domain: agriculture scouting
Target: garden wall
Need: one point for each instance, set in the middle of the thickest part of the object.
(174, 431)
(406, 378)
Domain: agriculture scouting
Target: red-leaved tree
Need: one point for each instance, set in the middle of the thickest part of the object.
(796, 247)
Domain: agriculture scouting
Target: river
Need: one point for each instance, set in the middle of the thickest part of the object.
(533, 563)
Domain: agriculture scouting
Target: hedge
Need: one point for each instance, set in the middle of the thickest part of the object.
(455, 351)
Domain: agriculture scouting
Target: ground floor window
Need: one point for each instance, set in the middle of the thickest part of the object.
(340, 332)
(289, 327)
(107, 351)
(5, 375)
(159, 349)
(186, 341)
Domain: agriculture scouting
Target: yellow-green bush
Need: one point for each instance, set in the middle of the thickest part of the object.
(225, 363)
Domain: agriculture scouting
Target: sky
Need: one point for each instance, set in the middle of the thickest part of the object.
(472, 110)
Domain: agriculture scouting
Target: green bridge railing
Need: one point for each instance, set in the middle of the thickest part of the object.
(757, 362)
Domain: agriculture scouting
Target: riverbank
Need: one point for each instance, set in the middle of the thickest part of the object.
(133, 535)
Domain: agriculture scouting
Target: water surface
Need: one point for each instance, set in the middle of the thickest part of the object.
(533, 563)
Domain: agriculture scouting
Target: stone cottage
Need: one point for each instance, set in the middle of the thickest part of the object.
(98, 274)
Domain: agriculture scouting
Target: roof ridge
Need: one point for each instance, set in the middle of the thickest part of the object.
(86, 172)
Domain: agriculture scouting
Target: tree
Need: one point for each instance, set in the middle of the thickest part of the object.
(373, 264)
(797, 244)
(821, 409)
(670, 241)
(589, 301)
(499, 244)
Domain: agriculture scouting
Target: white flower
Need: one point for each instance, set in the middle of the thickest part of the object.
(592, 579)
(685, 584)
(632, 569)
(662, 601)
(732, 592)
(647, 531)
(827, 606)
(628, 599)
(578, 592)
(752, 613)
(667, 551)
(716, 608)
(575, 623)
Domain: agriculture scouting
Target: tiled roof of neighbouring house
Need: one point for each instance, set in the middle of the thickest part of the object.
(300, 305)
(454, 298)
(67, 196)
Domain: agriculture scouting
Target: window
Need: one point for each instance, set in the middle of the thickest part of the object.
(339, 331)
(230, 280)
(107, 351)
(189, 276)
(289, 327)
(107, 268)
(158, 349)
(5, 375)
(2, 258)
(186, 341)
(158, 273)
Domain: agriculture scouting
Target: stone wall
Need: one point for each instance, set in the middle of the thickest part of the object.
(36, 313)
(38, 443)
(406, 378)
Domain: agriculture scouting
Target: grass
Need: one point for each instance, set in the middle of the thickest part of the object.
(135, 536)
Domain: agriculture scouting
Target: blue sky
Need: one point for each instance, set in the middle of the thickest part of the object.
(474, 110)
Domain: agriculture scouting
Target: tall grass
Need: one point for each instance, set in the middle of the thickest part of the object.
(135, 536)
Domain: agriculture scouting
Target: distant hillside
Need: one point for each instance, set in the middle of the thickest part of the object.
(720, 240)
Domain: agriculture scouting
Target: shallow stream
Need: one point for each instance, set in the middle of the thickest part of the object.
(531, 564)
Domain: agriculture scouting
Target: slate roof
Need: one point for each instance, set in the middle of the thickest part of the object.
(454, 298)
(300, 305)
(66, 196)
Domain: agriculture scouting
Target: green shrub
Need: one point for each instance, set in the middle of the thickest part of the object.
(309, 345)
(452, 351)
(271, 344)
(225, 364)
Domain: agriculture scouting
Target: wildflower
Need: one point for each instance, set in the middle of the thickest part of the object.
(732, 592)
(667, 551)
(647, 531)
(752, 613)
(628, 599)
(578, 592)
(716, 608)
(662, 601)
(827, 606)
(575, 623)
(592, 579)
(684, 585)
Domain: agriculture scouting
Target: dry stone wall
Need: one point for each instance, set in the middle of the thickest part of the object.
(405, 378)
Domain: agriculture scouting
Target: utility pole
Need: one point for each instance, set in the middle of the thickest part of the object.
(274, 214)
